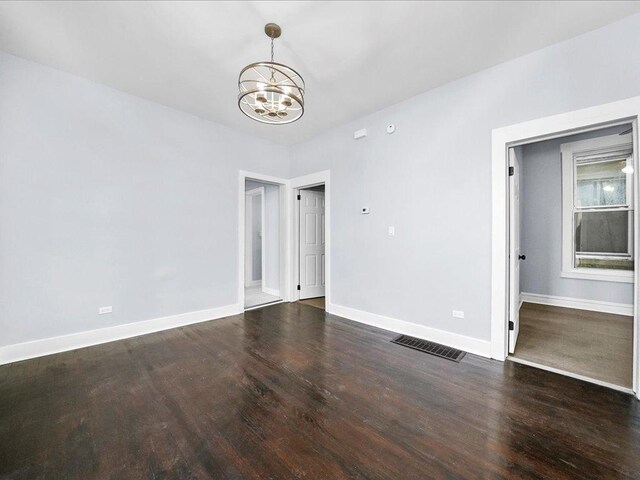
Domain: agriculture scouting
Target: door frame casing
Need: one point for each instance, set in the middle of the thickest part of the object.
(285, 209)
(301, 192)
(593, 118)
(296, 184)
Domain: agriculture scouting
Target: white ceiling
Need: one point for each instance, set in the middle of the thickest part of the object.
(355, 57)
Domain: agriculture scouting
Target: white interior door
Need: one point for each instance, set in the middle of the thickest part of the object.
(514, 249)
(312, 262)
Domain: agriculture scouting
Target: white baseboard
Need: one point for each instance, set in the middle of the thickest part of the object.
(579, 303)
(455, 340)
(272, 291)
(47, 346)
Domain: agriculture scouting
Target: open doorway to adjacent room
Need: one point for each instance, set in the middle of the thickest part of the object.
(571, 254)
(262, 243)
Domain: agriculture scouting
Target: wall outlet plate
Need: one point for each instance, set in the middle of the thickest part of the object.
(458, 313)
(103, 310)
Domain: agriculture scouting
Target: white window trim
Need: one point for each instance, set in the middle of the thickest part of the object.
(569, 151)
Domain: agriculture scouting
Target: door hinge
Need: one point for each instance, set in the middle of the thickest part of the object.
(511, 171)
(299, 197)
(298, 287)
(511, 326)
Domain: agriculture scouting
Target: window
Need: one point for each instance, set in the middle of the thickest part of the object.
(597, 192)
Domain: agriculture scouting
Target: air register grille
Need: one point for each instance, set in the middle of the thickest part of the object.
(429, 347)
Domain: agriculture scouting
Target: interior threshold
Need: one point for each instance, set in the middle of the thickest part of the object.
(255, 307)
(570, 374)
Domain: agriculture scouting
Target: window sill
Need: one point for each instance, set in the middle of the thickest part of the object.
(603, 276)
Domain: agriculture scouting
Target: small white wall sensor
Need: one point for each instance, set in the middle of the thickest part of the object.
(391, 128)
(360, 133)
(365, 210)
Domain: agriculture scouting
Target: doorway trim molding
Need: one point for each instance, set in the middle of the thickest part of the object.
(592, 118)
(285, 209)
(295, 184)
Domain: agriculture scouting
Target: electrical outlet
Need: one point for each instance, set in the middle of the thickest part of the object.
(103, 310)
(458, 313)
(392, 231)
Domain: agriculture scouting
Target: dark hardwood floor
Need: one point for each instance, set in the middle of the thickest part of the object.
(286, 393)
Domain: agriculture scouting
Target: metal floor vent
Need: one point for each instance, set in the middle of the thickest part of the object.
(429, 347)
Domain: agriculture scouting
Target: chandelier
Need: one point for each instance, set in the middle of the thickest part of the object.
(271, 92)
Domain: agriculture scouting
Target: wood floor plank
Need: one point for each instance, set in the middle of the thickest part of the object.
(318, 302)
(290, 392)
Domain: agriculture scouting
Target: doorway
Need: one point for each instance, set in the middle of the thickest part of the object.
(571, 225)
(311, 240)
(262, 257)
(311, 248)
(611, 114)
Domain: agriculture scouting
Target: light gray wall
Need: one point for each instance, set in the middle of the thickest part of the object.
(271, 232)
(252, 184)
(431, 179)
(541, 233)
(108, 199)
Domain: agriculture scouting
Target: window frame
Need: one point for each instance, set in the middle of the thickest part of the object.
(614, 147)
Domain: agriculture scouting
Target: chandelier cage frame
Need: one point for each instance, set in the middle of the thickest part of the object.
(271, 92)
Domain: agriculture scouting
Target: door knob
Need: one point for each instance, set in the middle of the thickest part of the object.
(522, 257)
